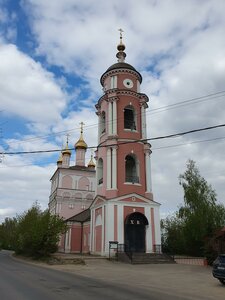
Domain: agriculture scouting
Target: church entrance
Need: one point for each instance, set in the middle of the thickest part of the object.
(134, 228)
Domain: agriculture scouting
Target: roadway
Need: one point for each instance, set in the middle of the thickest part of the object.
(24, 281)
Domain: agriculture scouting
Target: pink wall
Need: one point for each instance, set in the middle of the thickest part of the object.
(86, 236)
(67, 182)
(98, 238)
(76, 238)
(84, 183)
(98, 230)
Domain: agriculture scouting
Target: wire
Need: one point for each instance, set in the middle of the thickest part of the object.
(88, 158)
(122, 143)
(189, 143)
(148, 112)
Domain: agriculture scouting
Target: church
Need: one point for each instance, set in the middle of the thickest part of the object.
(110, 201)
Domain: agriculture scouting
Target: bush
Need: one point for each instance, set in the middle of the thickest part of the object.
(34, 233)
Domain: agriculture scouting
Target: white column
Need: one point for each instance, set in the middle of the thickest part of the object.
(103, 228)
(68, 240)
(99, 128)
(93, 230)
(138, 86)
(148, 230)
(157, 226)
(96, 178)
(114, 168)
(148, 171)
(109, 118)
(109, 226)
(143, 122)
(109, 168)
(115, 82)
(91, 233)
(120, 224)
(114, 117)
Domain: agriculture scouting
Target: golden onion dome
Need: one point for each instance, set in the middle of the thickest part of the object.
(91, 163)
(59, 161)
(80, 144)
(66, 150)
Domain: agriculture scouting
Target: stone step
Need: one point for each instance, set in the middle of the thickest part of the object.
(146, 258)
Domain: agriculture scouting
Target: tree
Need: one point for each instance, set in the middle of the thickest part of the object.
(7, 233)
(33, 233)
(172, 235)
(38, 232)
(200, 215)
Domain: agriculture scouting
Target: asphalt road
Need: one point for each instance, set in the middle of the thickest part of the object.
(21, 281)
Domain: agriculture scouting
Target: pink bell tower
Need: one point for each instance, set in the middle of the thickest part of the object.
(123, 209)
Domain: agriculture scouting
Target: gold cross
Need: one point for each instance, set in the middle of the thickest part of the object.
(81, 126)
(67, 138)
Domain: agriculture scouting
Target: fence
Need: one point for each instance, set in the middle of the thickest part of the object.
(189, 260)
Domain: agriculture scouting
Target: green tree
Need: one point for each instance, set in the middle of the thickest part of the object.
(33, 233)
(200, 215)
(7, 233)
(173, 241)
(38, 233)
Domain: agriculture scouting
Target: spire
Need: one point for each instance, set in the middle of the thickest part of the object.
(80, 148)
(91, 163)
(121, 47)
(80, 144)
(66, 150)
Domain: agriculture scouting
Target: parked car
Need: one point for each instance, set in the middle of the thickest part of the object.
(219, 268)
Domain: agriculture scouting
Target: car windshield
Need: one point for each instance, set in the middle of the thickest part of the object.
(222, 259)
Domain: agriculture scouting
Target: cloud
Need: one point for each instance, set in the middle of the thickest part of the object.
(6, 211)
(23, 185)
(27, 90)
(178, 46)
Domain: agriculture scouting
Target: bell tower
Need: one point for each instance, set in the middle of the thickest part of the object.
(123, 160)
(123, 154)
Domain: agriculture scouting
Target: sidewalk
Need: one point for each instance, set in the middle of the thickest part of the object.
(193, 282)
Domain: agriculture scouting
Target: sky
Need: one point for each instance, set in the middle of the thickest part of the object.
(52, 55)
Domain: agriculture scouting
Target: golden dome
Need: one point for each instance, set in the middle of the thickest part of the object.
(80, 144)
(66, 150)
(59, 161)
(91, 163)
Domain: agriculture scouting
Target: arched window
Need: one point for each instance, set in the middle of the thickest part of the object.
(100, 171)
(102, 122)
(129, 118)
(131, 169)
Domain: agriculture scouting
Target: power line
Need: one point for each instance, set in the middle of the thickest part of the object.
(148, 112)
(122, 143)
(187, 102)
(189, 143)
(154, 149)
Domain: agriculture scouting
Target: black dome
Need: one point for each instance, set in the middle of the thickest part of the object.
(121, 65)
